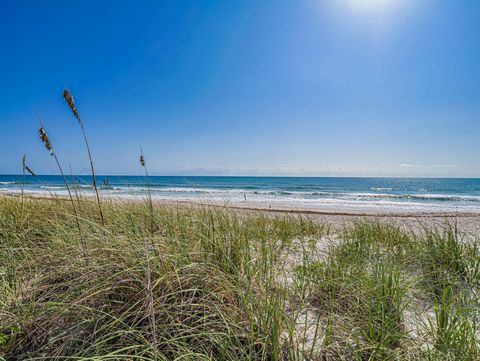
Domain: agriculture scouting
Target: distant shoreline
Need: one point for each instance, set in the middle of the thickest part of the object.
(254, 207)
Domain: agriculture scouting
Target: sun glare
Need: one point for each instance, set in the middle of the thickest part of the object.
(373, 5)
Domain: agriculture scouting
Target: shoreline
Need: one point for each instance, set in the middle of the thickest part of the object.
(468, 222)
(256, 208)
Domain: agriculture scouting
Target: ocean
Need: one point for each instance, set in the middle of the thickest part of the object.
(313, 193)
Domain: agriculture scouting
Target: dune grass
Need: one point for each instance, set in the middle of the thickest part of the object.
(210, 284)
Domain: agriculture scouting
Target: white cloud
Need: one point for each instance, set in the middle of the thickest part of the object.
(407, 165)
(411, 165)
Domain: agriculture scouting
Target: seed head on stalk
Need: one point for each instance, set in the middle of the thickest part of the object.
(150, 300)
(71, 103)
(45, 140)
(144, 166)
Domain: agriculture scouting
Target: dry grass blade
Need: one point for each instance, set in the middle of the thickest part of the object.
(24, 162)
(29, 170)
(25, 167)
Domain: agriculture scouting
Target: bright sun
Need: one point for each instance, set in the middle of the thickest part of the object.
(372, 5)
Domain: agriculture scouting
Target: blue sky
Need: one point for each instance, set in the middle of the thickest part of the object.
(313, 87)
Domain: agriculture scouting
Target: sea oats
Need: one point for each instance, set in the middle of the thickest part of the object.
(45, 140)
(71, 103)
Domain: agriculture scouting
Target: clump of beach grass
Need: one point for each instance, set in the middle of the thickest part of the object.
(204, 305)
(215, 284)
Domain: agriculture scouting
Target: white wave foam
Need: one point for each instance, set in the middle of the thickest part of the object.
(301, 199)
(52, 187)
(208, 192)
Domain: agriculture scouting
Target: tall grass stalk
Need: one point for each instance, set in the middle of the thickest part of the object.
(71, 103)
(24, 164)
(150, 202)
(150, 299)
(46, 142)
(74, 186)
(25, 169)
(150, 305)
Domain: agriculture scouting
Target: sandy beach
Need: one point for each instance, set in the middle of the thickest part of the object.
(466, 222)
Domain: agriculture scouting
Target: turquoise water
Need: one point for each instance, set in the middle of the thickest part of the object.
(323, 193)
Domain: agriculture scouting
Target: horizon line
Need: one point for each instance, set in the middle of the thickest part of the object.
(236, 176)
